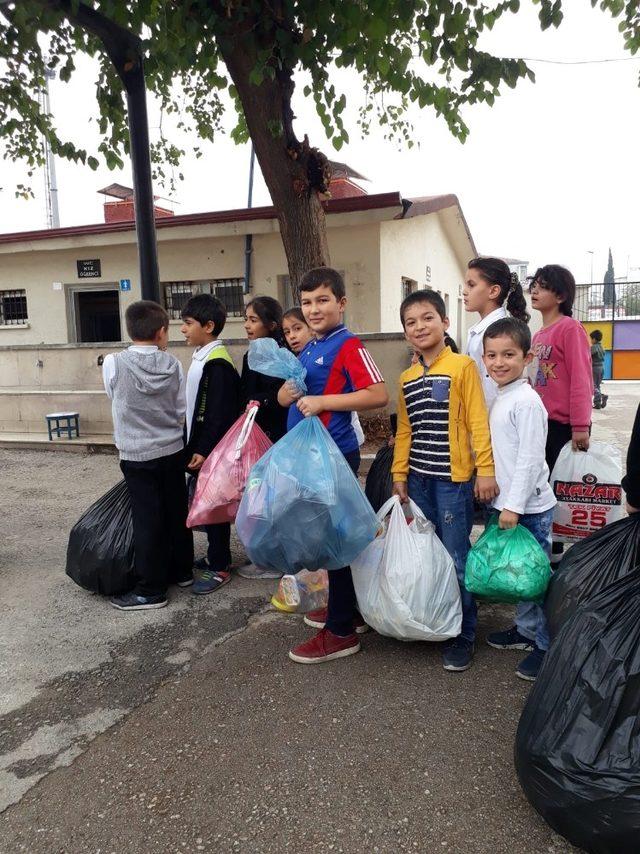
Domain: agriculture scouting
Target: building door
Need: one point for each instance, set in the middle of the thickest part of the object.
(95, 314)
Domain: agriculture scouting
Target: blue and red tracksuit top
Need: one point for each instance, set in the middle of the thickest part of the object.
(338, 363)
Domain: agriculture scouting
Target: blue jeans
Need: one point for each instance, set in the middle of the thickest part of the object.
(530, 619)
(450, 507)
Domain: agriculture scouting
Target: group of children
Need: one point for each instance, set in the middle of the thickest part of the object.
(468, 425)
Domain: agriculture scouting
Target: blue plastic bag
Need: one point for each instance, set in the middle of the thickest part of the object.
(267, 358)
(303, 507)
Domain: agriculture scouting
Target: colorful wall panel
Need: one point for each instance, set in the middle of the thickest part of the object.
(605, 326)
(626, 365)
(608, 365)
(626, 335)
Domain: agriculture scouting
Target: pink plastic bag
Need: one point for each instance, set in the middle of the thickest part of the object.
(224, 473)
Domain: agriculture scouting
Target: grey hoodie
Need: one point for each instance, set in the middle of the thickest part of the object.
(148, 405)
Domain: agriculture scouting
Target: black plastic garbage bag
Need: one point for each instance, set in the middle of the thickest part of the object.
(577, 750)
(379, 483)
(589, 567)
(100, 550)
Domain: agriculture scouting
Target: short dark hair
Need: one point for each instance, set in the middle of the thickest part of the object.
(510, 327)
(319, 276)
(205, 308)
(144, 319)
(296, 312)
(596, 335)
(559, 280)
(427, 295)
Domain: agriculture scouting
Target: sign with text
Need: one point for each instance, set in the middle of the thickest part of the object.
(89, 268)
(125, 284)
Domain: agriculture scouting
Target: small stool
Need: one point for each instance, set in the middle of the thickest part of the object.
(69, 421)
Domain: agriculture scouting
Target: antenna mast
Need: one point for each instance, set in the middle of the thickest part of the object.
(50, 183)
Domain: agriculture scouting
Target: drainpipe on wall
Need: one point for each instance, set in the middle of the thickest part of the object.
(248, 241)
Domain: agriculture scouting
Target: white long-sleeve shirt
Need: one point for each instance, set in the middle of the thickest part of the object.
(518, 422)
(475, 349)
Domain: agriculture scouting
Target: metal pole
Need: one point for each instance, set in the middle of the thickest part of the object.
(248, 241)
(50, 183)
(142, 184)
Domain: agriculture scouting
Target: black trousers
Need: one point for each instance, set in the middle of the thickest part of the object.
(558, 435)
(219, 548)
(342, 606)
(162, 542)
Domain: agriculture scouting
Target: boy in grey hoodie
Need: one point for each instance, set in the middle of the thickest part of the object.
(146, 387)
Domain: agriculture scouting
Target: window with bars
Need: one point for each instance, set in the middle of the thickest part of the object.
(228, 291)
(13, 308)
(408, 286)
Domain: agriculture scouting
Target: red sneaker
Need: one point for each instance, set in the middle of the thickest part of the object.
(324, 647)
(317, 619)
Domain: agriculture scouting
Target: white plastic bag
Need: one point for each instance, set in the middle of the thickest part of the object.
(406, 580)
(587, 487)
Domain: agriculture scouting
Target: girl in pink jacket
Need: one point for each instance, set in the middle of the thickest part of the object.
(564, 378)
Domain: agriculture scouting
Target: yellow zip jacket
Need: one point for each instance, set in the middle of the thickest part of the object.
(443, 422)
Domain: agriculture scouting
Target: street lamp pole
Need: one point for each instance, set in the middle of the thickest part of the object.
(590, 252)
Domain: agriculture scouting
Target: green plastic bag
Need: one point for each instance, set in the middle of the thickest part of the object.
(507, 566)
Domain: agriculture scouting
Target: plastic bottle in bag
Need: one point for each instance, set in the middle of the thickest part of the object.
(303, 592)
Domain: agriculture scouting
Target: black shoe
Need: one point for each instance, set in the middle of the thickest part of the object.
(133, 602)
(603, 401)
(510, 639)
(185, 581)
(201, 563)
(529, 667)
(457, 654)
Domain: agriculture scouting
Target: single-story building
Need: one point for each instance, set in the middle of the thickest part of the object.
(72, 285)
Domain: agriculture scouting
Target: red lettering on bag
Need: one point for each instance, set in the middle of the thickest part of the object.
(592, 493)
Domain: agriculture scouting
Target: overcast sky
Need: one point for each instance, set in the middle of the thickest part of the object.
(547, 174)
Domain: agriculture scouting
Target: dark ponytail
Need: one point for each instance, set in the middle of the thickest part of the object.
(269, 311)
(496, 272)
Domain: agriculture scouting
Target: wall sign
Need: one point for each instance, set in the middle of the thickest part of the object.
(125, 284)
(89, 268)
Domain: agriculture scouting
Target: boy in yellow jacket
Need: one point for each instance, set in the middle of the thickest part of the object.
(442, 436)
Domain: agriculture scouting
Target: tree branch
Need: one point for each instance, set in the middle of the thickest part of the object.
(123, 47)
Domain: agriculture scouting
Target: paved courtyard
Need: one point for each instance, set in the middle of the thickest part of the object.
(188, 729)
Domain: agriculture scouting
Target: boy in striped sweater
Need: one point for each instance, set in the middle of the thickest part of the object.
(442, 436)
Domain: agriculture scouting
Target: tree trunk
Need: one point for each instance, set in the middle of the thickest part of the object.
(293, 172)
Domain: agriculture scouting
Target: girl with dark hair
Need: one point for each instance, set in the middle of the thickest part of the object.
(563, 378)
(493, 291)
(263, 319)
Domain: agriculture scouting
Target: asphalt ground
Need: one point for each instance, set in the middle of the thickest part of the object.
(188, 729)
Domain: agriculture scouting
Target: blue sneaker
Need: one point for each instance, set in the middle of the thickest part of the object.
(510, 639)
(529, 667)
(133, 602)
(457, 654)
(209, 580)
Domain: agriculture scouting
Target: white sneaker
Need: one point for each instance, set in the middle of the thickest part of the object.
(250, 570)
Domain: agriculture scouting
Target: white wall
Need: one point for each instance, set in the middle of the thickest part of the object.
(184, 253)
(407, 248)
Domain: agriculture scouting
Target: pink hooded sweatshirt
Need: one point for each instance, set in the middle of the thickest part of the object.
(564, 379)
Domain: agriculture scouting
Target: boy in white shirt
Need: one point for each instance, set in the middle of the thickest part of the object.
(518, 422)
